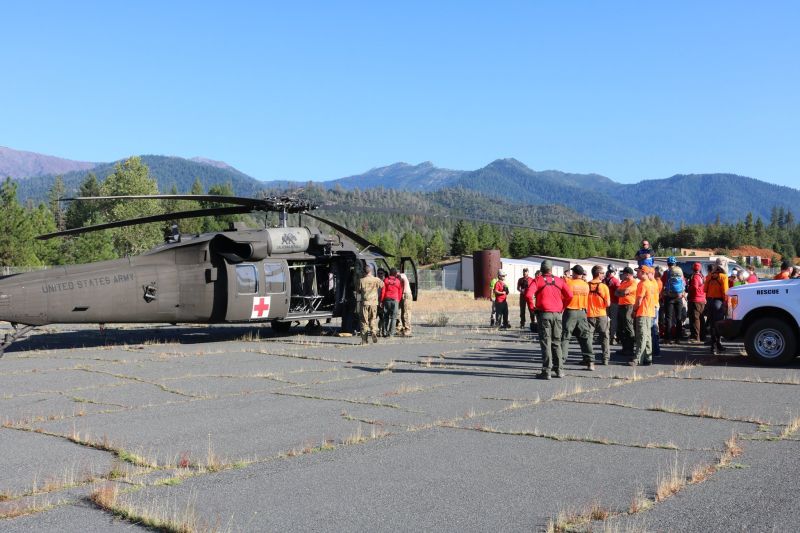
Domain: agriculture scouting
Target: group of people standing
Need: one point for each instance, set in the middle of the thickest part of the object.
(385, 300)
(638, 310)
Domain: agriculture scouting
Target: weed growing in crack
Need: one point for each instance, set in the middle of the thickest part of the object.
(791, 428)
(640, 502)
(670, 483)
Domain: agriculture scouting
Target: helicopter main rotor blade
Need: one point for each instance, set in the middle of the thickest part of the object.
(396, 211)
(212, 211)
(273, 203)
(355, 237)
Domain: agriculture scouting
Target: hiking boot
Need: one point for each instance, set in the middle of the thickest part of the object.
(590, 366)
(374, 338)
(544, 374)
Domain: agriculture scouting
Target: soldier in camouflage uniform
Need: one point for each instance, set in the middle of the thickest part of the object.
(368, 287)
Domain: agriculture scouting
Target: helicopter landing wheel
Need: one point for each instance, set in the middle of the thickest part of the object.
(281, 326)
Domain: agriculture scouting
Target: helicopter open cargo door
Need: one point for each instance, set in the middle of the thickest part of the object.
(409, 268)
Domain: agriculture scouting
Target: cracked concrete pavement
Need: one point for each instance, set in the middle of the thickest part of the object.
(236, 429)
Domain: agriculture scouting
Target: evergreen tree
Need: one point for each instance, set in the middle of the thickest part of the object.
(16, 230)
(78, 213)
(132, 177)
(54, 196)
(465, 239)
(435, 249)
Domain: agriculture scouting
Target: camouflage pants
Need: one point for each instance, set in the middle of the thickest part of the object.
(599, 325)
(369, 319)
(406, 306)
(550, 340)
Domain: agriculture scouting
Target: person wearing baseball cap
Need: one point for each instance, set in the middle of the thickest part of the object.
(550, 296)
(612, 282)
(716, 287)
(627, 297)
(575, 321)
(645, 310)
(524, 308)
(674, 290)
(500, 292)
(696, 295)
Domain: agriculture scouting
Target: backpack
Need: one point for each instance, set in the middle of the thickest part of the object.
(675, 284)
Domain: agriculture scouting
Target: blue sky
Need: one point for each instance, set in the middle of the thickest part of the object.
(320, 90)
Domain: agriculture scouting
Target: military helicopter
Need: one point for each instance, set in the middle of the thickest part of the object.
(278, 275)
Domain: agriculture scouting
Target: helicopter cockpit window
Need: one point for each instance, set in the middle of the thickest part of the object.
(246, 279)
(274, 278)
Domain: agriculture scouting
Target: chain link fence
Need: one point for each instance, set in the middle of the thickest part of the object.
(437, 280)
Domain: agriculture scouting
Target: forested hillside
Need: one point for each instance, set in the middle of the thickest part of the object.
(168, 172)
(425, 226)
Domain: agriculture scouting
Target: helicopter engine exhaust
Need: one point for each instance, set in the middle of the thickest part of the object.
(287, 240)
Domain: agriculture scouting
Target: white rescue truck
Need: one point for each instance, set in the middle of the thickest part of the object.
(766, 315)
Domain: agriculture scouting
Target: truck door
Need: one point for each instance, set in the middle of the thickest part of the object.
(409, 268)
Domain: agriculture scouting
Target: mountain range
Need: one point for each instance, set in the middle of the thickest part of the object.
(691, 198)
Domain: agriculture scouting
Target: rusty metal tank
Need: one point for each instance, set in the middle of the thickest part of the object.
(485, 264)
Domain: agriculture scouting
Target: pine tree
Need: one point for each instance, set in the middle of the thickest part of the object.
(16, 230)
(435, 249)
(465, 239)
(132, 177)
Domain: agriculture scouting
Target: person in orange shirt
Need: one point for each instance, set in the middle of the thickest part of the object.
(786, 271)
(645, 311)
(716, 286)
(627, 297)
(596, 312)
(574, 321)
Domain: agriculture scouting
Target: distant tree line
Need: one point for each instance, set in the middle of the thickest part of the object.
(430, 233)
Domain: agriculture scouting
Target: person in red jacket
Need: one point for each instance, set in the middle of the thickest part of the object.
(391, 294)
(500, 292)
(552, 295)
(696, 294)
(751, 274)
(612, 282)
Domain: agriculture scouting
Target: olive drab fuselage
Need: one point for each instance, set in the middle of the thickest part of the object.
(277, 274)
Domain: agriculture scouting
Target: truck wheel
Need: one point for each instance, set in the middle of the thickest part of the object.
(770, 341)
(281, 326)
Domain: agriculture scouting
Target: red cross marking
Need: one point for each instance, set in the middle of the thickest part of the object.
(260, 307)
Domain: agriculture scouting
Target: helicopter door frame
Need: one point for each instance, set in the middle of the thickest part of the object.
(276, 286)
(409, 268)
(245, 302)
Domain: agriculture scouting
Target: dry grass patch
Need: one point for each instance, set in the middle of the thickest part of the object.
(570, 520)
(640, 502)
(791, 428)
(157, 514)
(671, 482)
